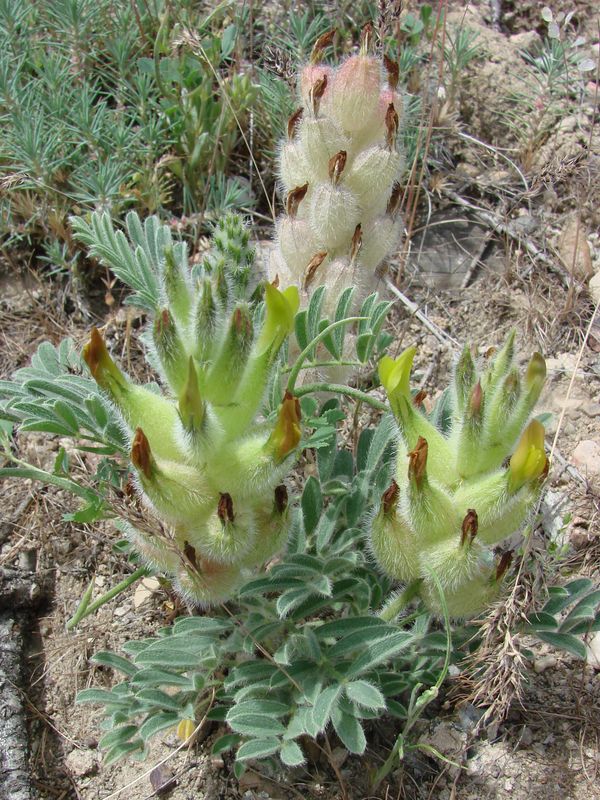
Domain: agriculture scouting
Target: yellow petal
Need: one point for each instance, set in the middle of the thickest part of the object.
(529, 460)
(395, 373)
(185, 729)
(280, 311)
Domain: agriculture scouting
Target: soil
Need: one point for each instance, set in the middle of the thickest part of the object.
(486, 283)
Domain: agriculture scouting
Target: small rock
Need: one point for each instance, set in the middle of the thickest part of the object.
(120, 611)
(162, 780)
(526, 738)
(594, 286)
(593, 651)
(591, 409)
(586, 457)
(542, 663)
(81, 763)
(508, 785)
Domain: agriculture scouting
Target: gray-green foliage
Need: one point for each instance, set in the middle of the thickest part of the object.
(108, 105)
(302, 651)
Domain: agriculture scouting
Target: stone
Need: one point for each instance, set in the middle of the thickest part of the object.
(593, 651)
(594, 286)
(82, 763)
(544, 662)
(586, 457)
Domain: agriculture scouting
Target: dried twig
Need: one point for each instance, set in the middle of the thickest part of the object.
(439, 334)
(489, 218)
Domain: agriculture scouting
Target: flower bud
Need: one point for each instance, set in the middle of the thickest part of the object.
(140, 407)
(464, 379)
(373, 170)
(380, 236)
(228, 535)
(310, 76)
(392, 542)
(296, 242)
(228, 366)
(272, 530)
(355, 93)
(293, 168)
(395, 376)
(170, 349)
(333, 214)
(426, 504)
(176, 288)
(528, 462)
(207, 582)
(286, 433)
(206, 322)
(466, 600)
(320, 139)
(192, 409)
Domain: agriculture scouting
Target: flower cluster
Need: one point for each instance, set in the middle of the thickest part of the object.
(209, 472)
(339, 167)
(454, 497)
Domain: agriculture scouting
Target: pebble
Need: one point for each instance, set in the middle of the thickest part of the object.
(593, 651)
(586, 457)
(591, 409)
(82, 762)
(544, 662)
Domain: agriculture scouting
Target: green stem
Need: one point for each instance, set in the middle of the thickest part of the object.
(332, 363)
(418, 703)
(85, 608)
(295, 371)
(336, 388)
(391, 611)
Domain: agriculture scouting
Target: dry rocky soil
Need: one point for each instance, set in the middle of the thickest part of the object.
(473, 280)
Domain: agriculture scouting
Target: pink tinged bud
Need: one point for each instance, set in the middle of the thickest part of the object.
(319, 140)
(294, 170)
(355, 93)
(333, 215)
(372, 177)
(316, 93)
(380, 238)
(312, 74)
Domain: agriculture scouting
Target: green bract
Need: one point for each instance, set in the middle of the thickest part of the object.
(453, 497)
